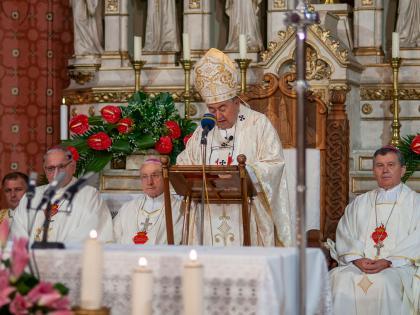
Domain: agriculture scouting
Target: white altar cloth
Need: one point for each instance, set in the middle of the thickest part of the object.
(237, 280)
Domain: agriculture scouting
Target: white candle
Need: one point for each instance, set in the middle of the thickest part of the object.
(186, 46)
(242, 46)
(142, 289)
(92, 268)
(395, 45)
(64, 113)
(137, 48)
(192, 286)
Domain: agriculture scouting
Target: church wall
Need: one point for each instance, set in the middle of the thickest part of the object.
(37, 40)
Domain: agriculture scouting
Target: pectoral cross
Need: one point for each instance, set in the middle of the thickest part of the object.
(146, 224)
(378, 247)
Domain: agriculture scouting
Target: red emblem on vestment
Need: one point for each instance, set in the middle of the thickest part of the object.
(54, 209)
(379, 234)
(140, 238)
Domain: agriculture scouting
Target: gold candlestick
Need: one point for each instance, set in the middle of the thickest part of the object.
(137, 65)
(243, 65)
(395, 127)
(187, 65)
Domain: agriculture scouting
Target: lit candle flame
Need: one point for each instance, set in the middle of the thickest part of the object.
(142, 262)
(93, 234)
(64, 101)
(193, 255)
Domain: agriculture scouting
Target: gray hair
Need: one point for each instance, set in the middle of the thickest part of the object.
(390, 149)
(59, 148)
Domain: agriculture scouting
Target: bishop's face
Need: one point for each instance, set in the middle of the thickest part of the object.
(57, 161)
(226, 112)
(151, 179)
(388, 170)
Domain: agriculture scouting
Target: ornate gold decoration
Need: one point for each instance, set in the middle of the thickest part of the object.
(396, 125)
(367, 109)
(111, 6)
(89, 96)
(83, 73)
(137, 65)
(331, 43)
(91, 111)
(365, 283)
(243, 65)
(367, 2)
(73, 112)
(385, 93)
(329, 2)
(194, 4)
(187, 66)
(274, 46)
(316, 69)
(279, 4)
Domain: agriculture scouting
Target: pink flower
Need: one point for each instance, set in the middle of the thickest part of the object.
(5, 289)
(19, 306)
(41, 289)
(61, 304)
(20, 256)
(4, 232)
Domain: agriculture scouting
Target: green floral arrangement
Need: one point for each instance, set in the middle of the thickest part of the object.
(410, 148)
(146, 122)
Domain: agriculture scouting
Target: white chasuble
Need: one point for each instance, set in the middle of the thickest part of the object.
(142, 221)
(390, 291)
(254, 136)
(87, 212)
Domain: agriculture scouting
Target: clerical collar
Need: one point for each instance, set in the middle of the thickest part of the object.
(389, 195)
(155, 201)
(61, 190)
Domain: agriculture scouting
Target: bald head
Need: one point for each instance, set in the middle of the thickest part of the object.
(151, 177)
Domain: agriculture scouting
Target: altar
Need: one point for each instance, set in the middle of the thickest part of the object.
(236, 280)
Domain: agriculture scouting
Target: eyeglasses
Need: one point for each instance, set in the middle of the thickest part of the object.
(153, 176)
(59, 167)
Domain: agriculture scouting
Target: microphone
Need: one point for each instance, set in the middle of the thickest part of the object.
(75, 188)
(52, 188)
(30, 193)
(207, 123)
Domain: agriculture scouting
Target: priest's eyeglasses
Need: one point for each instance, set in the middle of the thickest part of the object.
(60, 167)
(153, 176)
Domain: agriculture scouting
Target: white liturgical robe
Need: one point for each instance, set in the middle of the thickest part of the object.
(254, 136)
(147, 214)
(391, 291)
(88, 212)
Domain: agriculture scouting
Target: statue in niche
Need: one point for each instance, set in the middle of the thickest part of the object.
(243, 19)
(87, 20)
(408, 23)
(161, 26)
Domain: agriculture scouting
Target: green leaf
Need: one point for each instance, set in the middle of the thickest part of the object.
(98, 162)
(121, 145)
(144, 142)
(61, 288)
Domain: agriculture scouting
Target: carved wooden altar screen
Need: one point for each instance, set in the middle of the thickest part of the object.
(326, 130)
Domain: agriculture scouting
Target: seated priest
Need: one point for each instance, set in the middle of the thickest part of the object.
(239, 130)
(378, 241)
(14, 186)
(88, 211)
(142, 220)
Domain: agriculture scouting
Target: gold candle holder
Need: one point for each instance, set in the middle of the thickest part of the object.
(102, 311)
(243, 65)
(137, 65)
(395, 127)
(187, 65)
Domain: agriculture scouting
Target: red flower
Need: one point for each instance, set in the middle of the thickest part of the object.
(164, 145)
(111, 114)
(124, 125)
(79, 124)
(415, 145)
(140, 238)
(186, 138)
(74, 152)
(99, 141)
(174, 130)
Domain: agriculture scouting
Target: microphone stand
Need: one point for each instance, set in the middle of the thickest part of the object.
(44, 244)
(203, 186)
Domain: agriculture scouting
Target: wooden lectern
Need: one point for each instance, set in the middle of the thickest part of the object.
(225, 185)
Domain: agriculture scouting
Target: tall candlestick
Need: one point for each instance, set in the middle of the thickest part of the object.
(192, 286)
(186, 46)
(92, 268)
(137, 48)
(142, 289)
(395, 45)
(242, 46)
(64, 113)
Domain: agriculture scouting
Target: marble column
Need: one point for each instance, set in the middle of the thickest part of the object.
(368, 20)
(197, 24)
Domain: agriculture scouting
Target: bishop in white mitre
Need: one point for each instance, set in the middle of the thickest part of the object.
(239, 130)
(67, 223)
(378, 246)
(142, 220)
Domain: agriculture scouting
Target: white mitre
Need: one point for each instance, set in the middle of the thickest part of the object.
(215, 77)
